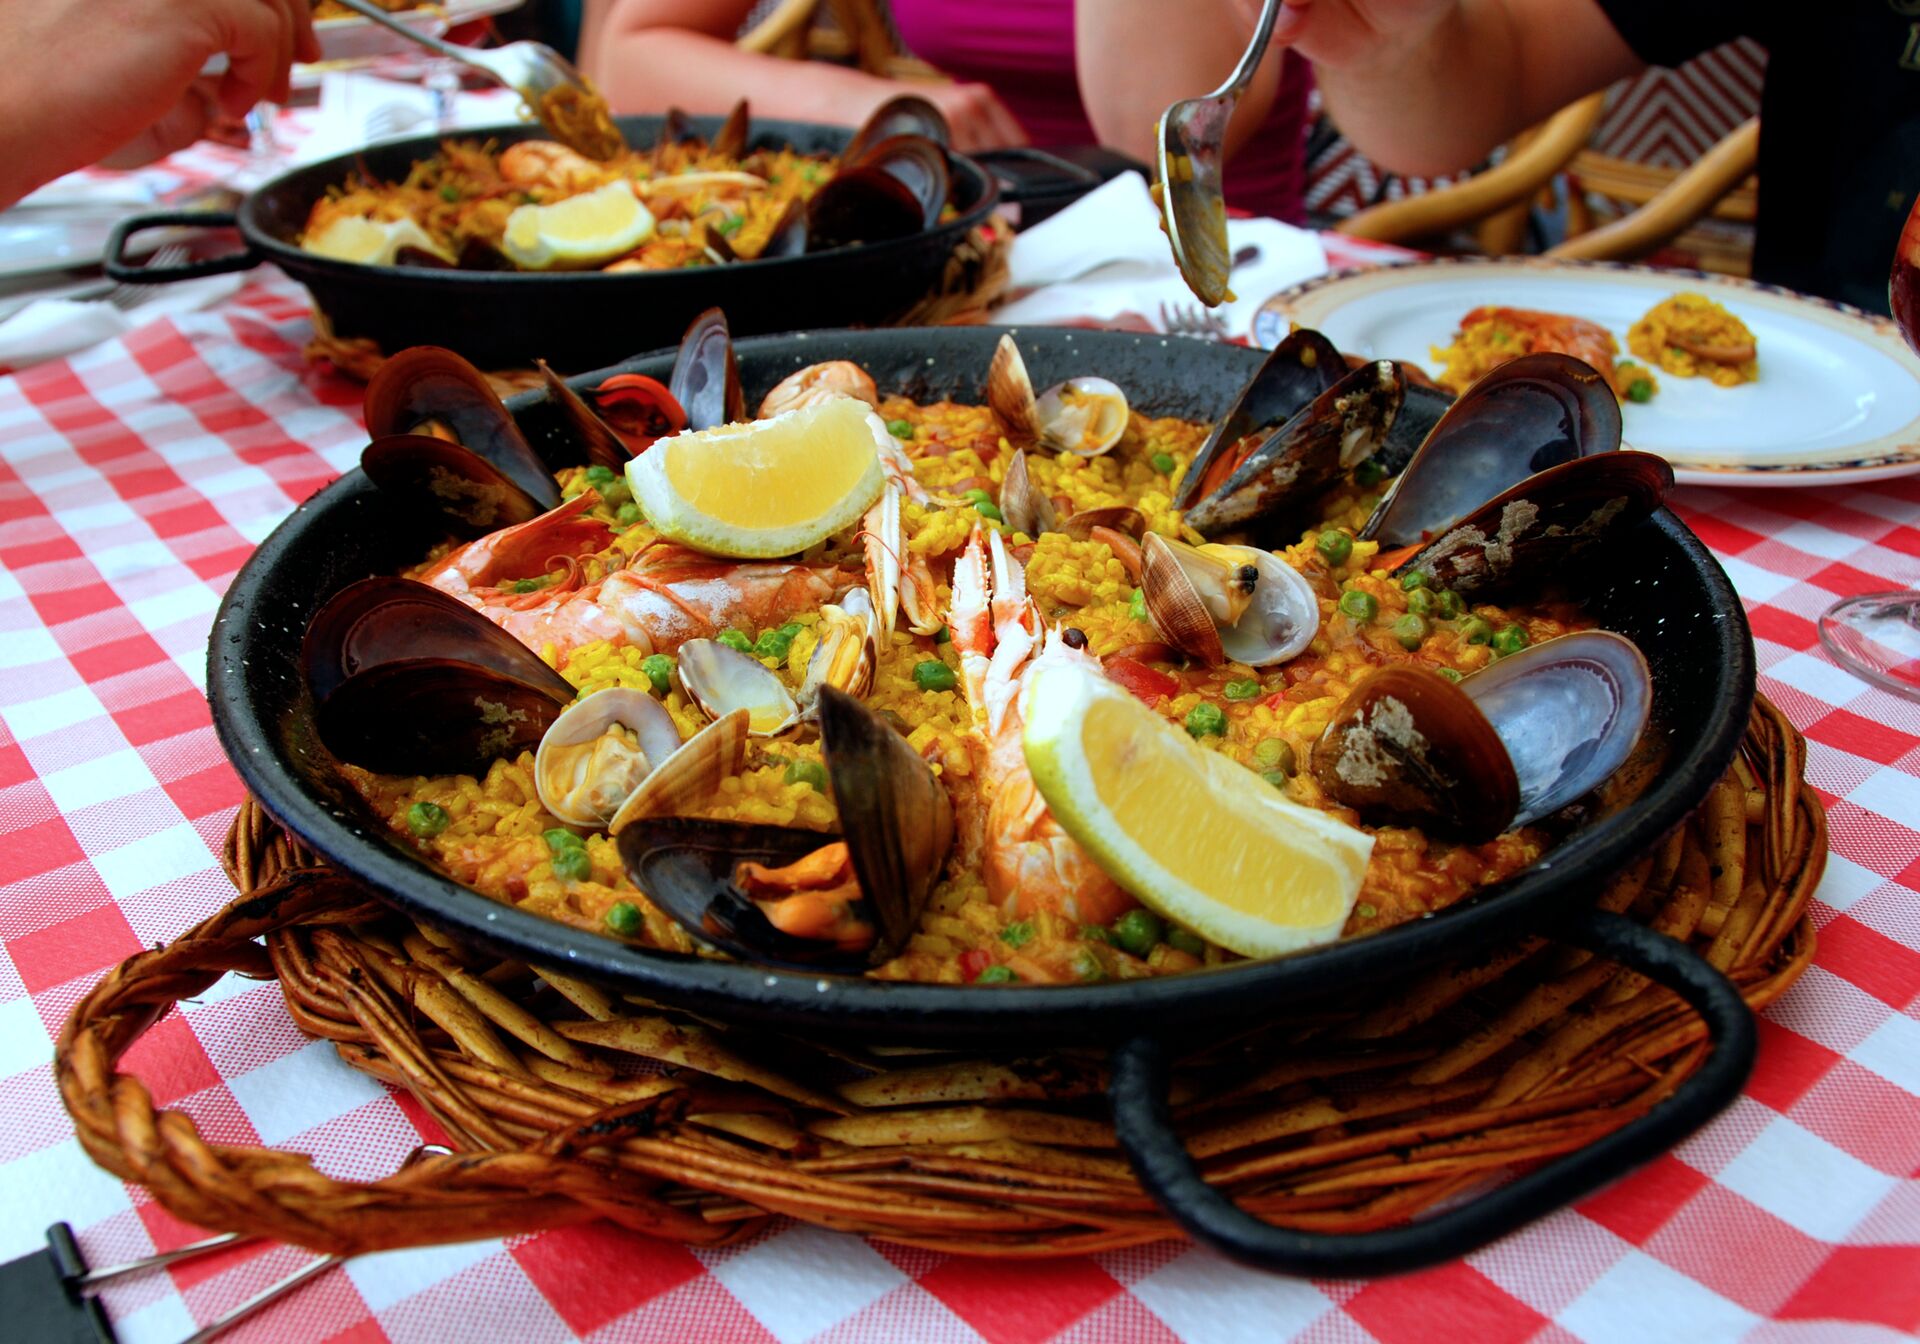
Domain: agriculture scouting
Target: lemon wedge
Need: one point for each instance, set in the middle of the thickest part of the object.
(582, 230)
(765, 488)
(1191, 833)
(372, 242)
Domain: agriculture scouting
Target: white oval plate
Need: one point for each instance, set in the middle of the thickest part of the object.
(1837, 401)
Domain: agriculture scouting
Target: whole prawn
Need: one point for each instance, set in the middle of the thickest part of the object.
(1028, 862)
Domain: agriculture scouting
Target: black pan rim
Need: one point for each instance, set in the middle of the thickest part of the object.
(929, 1012)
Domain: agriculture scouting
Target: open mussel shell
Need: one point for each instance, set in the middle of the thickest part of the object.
(896, 815)
(721, 679)
(1528, 534)
(474, 496)
(1569, 711)
(1420, 411)
(1407, 747)
(638, 409)
(1300, 368)
(389, 620)
(1523, 417)
(433, 716)
(788, 237)
(1280, 479)
(1227, 602)
(919, 165)
(428, 390)
(865, 204)
(599, 751)
(908, 114)
(1085, 416)
(706, 377)
(600, 443)
(730, 141)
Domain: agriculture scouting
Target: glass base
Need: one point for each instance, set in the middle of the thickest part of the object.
(1876, 636)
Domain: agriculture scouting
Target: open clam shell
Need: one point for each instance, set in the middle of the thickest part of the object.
(1523, 417)
(848, 651)
(1227, 602)
(468, 491)
(598, 752)
(1085, 416)
(721, 679)
(1021, 503)
(431, 391)
(1300, 368)
(706, 376)
(1276, 482)
(1529, 533)
(687, 776)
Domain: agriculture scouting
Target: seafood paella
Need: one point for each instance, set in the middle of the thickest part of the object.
(684, 201)
(1045, 690)
(1489, 336)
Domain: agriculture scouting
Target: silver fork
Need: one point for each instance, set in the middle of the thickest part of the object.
(130, 294)
(391, 119)
(1189, 319)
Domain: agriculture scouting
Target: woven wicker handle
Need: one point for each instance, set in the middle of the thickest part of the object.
(1145, 1126)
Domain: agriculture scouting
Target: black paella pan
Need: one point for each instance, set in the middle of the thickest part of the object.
(1658, 586)
(577, 319)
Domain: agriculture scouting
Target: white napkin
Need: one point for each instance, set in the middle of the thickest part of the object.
(50, 328)
(1117, 223)
(354, 106)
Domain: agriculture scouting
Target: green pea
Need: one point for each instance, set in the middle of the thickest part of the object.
(1206, 719)
(572, 864)
(559, 838)
(1359, 605)
(900, 429)
(1449, 604)
(1474, 630)
(1510, 639)
(731, 225)
(1186, 940)
(1163, 463)
(990, 511)
(528, 585)
(616, 496)
(449, 192)
(996, 975)
(1413, 579)
(1017, 934)
(1366, 909)
(427, 820)
(773, 644)
(623, 918)
(1087, 968)
(1411, 631)
(1242, 690)
(1334, 546)
(811, 773)
(598, 475)
(628, 514)
(1137, 606)
(734, 639)
(792, 628)
(1451, 674)
(659, 670)
(933, 675)
(1274, 753)
(1093, 933)
(1422, 602)
(978, 496)
(1370, 472)
(943, 635)
(1138, 931)
(1277, 778)
(1640, 389)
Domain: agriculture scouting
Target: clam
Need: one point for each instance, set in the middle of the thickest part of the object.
(1085, 523)
(706, 377)
(598, 752)
(1524, 416)
(1533, 530)
(1022, 505)
(720, 679)
(435, 393)
(847, 652)
(1282, 476)
(408, 681)
(1219, 602)
(782, 896)
(1083, 416)
(909, 114)
(1504, 748)
(1300, 368)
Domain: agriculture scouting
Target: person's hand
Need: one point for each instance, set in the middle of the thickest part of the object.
(978, 118)
(119, 80)
(1341, 33)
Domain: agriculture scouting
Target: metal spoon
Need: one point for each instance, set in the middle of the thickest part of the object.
(531, 69)
(1192, 137)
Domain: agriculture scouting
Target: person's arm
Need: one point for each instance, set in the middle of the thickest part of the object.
(94, 80)
(648, 55)
(1136, 57)
(1431, 86)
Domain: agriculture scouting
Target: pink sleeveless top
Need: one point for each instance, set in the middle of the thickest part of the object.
(1023, 50)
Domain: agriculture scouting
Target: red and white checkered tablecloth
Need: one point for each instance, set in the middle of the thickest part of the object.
(134, 480)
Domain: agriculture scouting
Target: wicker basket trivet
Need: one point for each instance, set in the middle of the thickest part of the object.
(569, 1105)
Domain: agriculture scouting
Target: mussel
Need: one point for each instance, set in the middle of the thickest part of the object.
(705, 381)
(908, 114)
(1300, 368)
(1084, 416)
(779, 896)
(1524, 416)
(864, 203)
(1219, 602)
(638, 409)
(730, 141)
(408, 681)
(1506, 747)
(1281, 477)
(473, 496)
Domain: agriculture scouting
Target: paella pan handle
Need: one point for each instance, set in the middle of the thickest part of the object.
(1142, 1069)
(119, 266)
